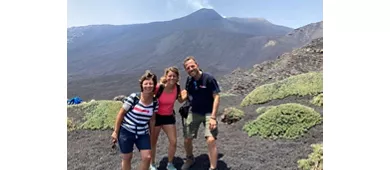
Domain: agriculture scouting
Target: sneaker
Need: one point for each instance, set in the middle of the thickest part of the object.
(189, 162)
(152, 167)
(170, 166)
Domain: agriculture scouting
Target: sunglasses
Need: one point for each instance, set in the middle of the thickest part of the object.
(195, 85)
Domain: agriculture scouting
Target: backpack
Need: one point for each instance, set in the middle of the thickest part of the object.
(74, 100)
(138, 97)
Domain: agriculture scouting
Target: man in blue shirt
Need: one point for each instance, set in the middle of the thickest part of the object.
(202, 91)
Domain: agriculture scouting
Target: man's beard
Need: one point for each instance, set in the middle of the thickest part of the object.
(194, 72)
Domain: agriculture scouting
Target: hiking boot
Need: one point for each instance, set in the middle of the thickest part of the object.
(152, 167)
(189, 162)
(170, 166)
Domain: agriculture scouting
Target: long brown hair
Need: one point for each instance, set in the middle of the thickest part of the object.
(175, 70)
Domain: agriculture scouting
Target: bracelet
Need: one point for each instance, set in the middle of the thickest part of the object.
(213, 118)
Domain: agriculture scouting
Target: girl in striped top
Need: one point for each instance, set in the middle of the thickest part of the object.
(135, 121)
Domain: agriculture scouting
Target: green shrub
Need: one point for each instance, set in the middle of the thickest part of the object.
(232, 114)
(100, 114)
(287, 121)
(314, 160)
(77, 112)
(70, 125)
(300, 85)
(262, 110)
(318, 100)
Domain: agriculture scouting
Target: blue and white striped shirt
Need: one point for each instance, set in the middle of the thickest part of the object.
(137, 120)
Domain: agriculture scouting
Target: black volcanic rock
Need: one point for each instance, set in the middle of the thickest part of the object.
(302, 60)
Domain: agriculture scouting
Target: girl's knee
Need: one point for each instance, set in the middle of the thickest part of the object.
(146, 156)
(173, 142)
(127, 157)
(211, 140)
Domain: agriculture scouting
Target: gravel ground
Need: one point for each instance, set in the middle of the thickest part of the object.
(89, 149)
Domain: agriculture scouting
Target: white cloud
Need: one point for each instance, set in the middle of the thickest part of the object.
(198, 4)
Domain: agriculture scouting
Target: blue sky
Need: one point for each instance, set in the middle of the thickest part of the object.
(291, 13)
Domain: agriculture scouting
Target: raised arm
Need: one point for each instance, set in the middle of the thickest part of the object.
(183, 96)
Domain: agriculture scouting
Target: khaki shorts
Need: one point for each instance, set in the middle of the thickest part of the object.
(192, 123)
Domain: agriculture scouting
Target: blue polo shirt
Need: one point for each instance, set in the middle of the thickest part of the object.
(201, 93)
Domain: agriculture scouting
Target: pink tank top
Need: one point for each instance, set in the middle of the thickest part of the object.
(166, 102)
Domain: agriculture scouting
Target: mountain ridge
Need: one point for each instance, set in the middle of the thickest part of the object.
(97, 54)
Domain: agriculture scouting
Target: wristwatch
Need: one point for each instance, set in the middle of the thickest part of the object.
(213, 118)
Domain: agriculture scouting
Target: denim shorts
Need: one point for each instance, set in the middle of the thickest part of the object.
(127, 140)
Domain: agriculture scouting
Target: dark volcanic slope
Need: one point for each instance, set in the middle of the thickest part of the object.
(109, 49)
(238, 50)
(306, 59)
(223, 43)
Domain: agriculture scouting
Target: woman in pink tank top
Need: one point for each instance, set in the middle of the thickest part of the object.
(165, 119)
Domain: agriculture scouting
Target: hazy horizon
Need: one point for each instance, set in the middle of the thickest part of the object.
(292, 14)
